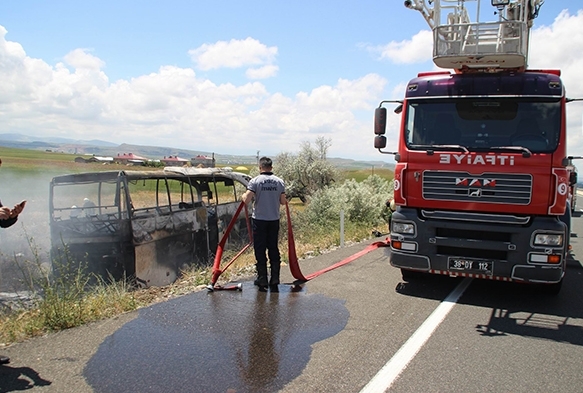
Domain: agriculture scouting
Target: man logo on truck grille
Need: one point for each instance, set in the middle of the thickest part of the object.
(475, 182)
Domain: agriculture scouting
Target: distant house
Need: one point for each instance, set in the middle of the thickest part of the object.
(94, 158)
(129, 159)
(201, 161)
(174, 161)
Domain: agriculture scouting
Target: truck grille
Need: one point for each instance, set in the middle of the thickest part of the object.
(515, 189)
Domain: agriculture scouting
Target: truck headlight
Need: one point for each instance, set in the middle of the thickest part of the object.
(403, 227)
(548, 239)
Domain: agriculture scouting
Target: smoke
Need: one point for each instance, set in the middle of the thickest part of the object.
(26, 245)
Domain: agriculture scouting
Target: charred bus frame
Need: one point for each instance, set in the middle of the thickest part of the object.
(147, 225)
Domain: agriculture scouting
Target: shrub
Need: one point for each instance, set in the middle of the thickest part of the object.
(362, 202)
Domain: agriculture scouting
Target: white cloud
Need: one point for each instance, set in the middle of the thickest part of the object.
(399, 90)
(79, 59)
(233, 54)
(262, 72)
(175, 107)
(560, 46)
(416, 50)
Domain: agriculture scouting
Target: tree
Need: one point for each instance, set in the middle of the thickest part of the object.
(308, 171)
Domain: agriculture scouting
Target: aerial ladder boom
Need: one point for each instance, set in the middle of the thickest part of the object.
(465, 45)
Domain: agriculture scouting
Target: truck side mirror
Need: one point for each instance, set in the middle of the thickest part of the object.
(380, 142)
(380, 121)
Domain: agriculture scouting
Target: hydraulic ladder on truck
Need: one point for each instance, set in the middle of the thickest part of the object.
(462, 44)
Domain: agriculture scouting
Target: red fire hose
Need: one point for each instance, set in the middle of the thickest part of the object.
(217, 271)
(293, 259)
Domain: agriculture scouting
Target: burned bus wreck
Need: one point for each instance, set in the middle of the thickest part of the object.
(147, 225)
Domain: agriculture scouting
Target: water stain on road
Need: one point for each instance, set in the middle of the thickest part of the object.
(227, 341)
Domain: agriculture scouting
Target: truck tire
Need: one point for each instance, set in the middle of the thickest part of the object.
(566, 218)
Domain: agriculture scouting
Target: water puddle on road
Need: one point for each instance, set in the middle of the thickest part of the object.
(224, 341)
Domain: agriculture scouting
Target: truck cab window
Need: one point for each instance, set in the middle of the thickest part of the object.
(479, 124)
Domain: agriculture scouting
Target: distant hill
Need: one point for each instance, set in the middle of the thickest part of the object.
(352, 164)
(108, 149)
(20, 138)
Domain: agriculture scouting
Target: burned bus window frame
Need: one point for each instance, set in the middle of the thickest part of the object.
(149, 238)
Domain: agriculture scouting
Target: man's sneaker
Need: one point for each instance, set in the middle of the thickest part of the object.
(274, 288)
(262, 288)
(4, 360)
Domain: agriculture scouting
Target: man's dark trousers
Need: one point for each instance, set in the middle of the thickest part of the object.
(265, 236)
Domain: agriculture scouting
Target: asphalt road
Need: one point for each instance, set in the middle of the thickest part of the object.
(334, 335)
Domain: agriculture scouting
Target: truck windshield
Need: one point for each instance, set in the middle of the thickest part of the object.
(480, 124)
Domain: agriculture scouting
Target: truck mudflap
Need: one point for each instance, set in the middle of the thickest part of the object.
(471, 245)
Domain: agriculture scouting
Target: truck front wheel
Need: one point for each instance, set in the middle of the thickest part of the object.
(552, 289)
(409, 275)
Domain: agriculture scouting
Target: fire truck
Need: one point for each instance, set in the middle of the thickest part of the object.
(482, 184)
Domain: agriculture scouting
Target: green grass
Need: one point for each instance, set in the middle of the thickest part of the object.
(8, 152)
(26, 160)
(66, 299)
(361, 174)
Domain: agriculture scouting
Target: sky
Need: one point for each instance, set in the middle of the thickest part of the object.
(235, 77)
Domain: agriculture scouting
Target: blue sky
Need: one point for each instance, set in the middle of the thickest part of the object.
(233, 77)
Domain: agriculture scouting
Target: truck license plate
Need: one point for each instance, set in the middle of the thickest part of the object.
(476, 266)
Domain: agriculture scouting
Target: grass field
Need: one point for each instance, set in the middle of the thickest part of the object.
(361, 174)
(24, 161)
(32, 158)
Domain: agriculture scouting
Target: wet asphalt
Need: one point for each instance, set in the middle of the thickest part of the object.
(224, 341)
(221, 341)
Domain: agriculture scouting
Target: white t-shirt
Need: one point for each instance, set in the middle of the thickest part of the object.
(268, 189)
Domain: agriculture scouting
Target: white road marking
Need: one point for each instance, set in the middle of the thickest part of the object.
(393, 368)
